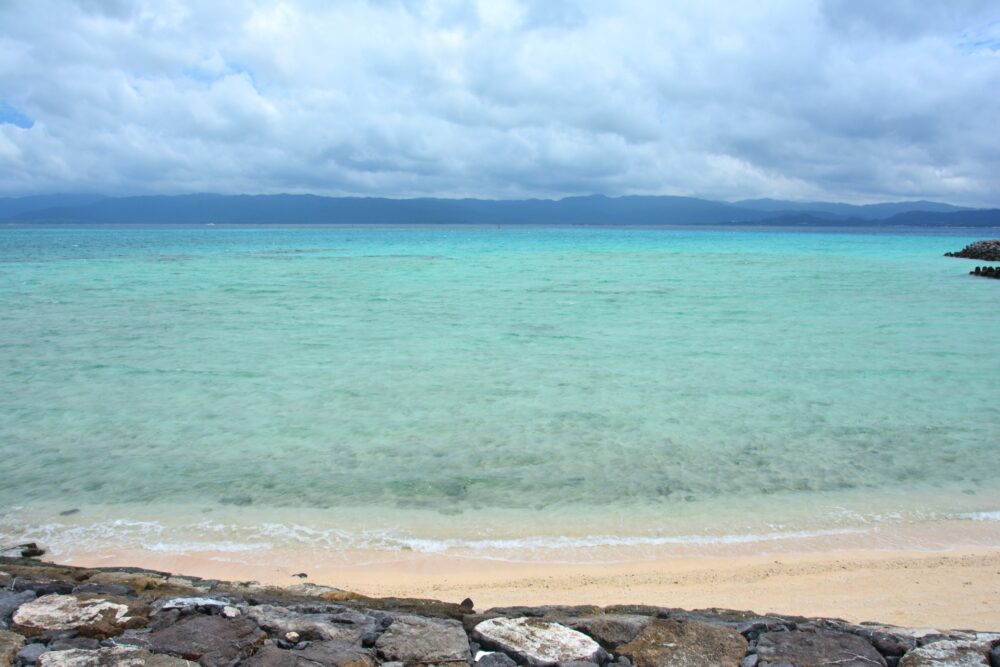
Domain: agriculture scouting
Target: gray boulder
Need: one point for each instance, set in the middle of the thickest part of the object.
(30, 653)
(90, 615)
(683, 643)
(336, 623)
(494, 659)
(109, 657)
(948, 653)
(813, 649)
(213, 641)
(415, 640)
(10, 601)
(327, 654)
(535, 641)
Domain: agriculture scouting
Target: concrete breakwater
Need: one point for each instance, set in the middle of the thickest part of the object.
(986, 271)
(988, 250)
(62, 616)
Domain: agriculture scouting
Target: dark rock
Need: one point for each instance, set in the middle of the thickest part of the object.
(888, 644)
(10, 601)
(611, 630)
(988, 250)
(301, 575)
(417, 640)
(213, 641)
(467, 603)
(750, 660)
(327, 654)
(495, 659)
(995, 656)
(576, 663)
(44, 587)
(685, 643)
(638, 610)
(10, 644)
(813, 649)
(98, 616)
(29, 654)
(753, 629)
(67, 643)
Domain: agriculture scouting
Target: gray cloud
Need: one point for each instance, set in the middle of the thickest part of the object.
(503, 98)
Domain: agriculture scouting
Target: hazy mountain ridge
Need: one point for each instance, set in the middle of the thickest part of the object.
(594, 209)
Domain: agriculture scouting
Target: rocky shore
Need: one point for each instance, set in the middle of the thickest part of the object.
(61, 616)
(988, 250)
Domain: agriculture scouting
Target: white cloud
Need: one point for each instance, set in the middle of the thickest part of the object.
(835, 99)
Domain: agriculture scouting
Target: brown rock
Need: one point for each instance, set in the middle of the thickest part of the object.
(98, 616)
(10, 644)
(674, 643)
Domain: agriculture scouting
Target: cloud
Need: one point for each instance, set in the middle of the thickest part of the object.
(503, 98)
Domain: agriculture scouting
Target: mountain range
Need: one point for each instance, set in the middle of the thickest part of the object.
(586, 210)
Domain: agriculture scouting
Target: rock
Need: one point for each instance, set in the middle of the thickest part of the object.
(995, 656)
(612, 630)
(44, 587)
(948, 653)
(337, 623)
(10, 601)
(576, 663)
(90, 615)
(211, 640)
(812, 649)
(683, 643)
(494, 659)
(190, 605)
(988, 250)
(29, 654)
(104, 589)
(10, 644)
(67, 643)
(423, 641)
(118, 656)
(535, 641)
(328, 653)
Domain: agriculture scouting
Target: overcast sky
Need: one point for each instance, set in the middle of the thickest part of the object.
(859, 100)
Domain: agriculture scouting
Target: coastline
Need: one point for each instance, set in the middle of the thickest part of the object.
(955, 588)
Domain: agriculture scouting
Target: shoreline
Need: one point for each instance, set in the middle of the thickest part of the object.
(958, 588)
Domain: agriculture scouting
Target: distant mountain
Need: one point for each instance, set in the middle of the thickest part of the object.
(11, 206)
(591, 210)
(309, 209)
(864, 211)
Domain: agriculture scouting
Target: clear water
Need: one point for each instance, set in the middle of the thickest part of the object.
(440, 382)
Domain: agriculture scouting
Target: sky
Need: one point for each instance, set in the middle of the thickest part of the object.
(847, 100)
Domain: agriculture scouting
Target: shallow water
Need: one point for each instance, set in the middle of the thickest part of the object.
(474, 384)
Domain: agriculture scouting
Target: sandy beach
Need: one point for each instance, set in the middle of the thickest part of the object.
(959, 588)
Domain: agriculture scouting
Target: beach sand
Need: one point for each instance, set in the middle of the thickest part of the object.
(955, 589)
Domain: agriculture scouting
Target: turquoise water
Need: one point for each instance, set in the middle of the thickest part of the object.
(551, 376)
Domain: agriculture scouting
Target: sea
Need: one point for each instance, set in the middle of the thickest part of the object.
(499, 392)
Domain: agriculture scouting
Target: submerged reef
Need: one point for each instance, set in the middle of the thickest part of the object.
(60, 616)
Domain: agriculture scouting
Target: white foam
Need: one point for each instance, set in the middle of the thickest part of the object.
(982, 516)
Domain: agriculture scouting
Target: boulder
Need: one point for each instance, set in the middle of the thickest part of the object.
(336, 623)
(10, 601)
(10, 644)
(494, 659)
(535, 641)
(813, 649)
(30, 653)
(948, 653)
(415, 640)
(117, 656)
(328, 654)
(682, 643)
(213, 641)
(611, 630)
(98, 616)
